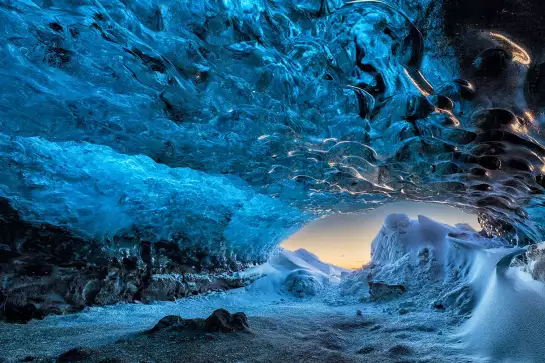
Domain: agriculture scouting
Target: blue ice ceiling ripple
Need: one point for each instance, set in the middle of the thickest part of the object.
(229, 124)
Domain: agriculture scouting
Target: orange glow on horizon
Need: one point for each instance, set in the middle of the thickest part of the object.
(345, 240)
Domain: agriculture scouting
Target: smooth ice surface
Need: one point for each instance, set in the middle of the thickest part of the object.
(509, 322)
(228, 124)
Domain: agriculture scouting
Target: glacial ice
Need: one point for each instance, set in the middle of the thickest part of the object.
(102, 194)
(227, 125)
(224, 126)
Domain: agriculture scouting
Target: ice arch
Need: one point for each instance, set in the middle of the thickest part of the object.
(221, 127)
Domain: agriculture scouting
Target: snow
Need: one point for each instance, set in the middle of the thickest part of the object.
(508, 325)
(497, 302)
(315, 262)
(321, 326)
(491, 307)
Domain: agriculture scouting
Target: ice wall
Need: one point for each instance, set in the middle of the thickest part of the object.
(101, 194)
(227, 124)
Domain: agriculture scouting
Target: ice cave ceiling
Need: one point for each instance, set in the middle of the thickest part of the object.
(227, 125)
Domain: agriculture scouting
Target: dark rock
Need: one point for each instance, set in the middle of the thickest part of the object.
(166, 322)
(76, 355)
(383, 291)
(46, 270)
(19, 313)
(224, 322)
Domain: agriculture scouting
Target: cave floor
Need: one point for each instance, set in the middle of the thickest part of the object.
(283, 329)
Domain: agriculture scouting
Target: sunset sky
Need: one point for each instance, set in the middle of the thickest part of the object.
(345, 240)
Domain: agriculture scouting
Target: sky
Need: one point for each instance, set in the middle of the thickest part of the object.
(345, 240)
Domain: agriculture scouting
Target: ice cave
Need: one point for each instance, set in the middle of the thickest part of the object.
(155, 156)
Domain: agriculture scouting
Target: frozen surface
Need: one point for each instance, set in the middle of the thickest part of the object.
(315, 262)
(285, 327)
(226, 125)
(490, 310)
(495, 298)
(509, 322)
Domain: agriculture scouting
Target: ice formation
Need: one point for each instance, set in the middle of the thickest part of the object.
(141, 140)
(496, 293)
(298, 273)
(229, 124)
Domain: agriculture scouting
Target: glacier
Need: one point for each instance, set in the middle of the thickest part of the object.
(465, 298)
(141, 140)
(311, 107)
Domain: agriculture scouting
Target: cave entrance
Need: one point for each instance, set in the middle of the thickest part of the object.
(345, 239)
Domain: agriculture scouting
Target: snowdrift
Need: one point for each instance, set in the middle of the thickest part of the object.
(495, 292)
(299, 273)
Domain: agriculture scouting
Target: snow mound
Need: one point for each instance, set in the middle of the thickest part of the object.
(315, 262)
(303, 283)
(423, 260)
(495, 292)
(287, 272)
(509, 322)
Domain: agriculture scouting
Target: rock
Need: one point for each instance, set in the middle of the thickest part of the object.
(76, 355)
(383, 291)
(163, 287)
(90, 291)
(16, 313)
(166, 322)
(224, 322)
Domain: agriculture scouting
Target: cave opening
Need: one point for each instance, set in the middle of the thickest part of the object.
(345, 239)
(154, 154)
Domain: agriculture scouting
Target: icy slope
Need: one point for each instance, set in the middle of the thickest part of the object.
(297, 273)
(315, 262)
(426, 261)
(496, 294)
(509, 322)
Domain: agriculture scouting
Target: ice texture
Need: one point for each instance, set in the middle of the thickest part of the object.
(432, 263)
(229, 124)
(103, 194)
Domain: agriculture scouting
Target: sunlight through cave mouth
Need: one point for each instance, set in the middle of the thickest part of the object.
(345, 240)
(154, 154)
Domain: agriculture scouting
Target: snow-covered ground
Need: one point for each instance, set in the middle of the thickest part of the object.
(462, 301)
